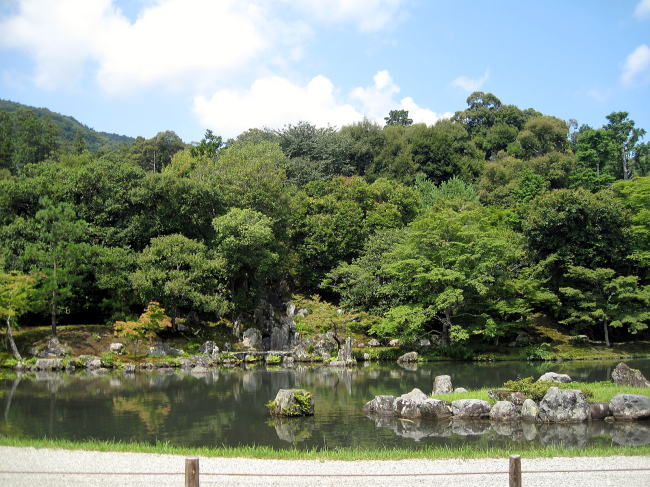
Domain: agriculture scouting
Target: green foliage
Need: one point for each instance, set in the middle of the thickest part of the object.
(535, 390)
(151, 321)
(540, 351)
(273, 359)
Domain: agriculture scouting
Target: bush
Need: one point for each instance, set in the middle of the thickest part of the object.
(273, 359)
(541, 351)
(537, 390)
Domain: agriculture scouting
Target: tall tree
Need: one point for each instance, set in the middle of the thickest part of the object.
(626, 137)
(398, 117)
(15, 299)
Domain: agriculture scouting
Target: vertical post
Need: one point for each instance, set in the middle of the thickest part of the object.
(191, 472)
(515, 471)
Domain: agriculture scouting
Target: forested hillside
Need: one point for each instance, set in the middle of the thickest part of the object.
(461, 231)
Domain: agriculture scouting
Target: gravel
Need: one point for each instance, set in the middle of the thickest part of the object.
(65, 462)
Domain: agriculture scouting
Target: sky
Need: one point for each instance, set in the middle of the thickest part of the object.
(138, 67)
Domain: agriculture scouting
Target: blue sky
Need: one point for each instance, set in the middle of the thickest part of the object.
(137, 67)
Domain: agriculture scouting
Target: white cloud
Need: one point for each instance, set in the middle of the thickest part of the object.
(471, 84)
(275, 101)
(369, 15)
(636, 65)
(642, 10)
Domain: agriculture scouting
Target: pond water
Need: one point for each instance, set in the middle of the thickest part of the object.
(227, 407)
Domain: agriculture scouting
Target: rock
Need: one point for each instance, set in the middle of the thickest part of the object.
(302, 312)
(128, 368)
(424, 343)
(208, 348)
(470, 408)
(408, 357)
(599, 410)
(287, 361)
(517, 398)
(163, 350)
(48, 364)
(93, 363)
(54, 348)
(529, 410)
(394, 343)
(442, 385)
(382, 405)
(553, 377)
(366, 357)
(374, 343)
(252, 339)
(630, 406)
(563, 406)
(504, 411)
(460, 390)
(280, 338)
(292, 402)
(406, 405)
(435, 408)
(345, 352)
(291, 309)
(627, 376)
(116, 347)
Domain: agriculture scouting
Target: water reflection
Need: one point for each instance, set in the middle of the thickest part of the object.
(214, 407)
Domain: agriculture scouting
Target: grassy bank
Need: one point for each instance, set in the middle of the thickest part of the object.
(594, 391)
(429, 452)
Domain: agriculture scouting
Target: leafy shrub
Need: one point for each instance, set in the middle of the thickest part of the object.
(541, 351)
(108, 358)
(273, 359)
(528, 387)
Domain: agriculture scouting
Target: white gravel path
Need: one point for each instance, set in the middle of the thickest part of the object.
(51, 461)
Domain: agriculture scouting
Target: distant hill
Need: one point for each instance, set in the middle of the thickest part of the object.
(69, 127)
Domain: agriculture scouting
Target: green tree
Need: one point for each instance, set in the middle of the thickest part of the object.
(149, 324)
(209, 146)
(635, 197)
(183, 275)
(626, 137)
(398, 117)
(57, 254)
(15, 299)
(600, 297)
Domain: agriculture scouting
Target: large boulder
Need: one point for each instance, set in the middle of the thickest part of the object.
(630, 406)
(504, 411)
(563, 406)
(163, 350)
(442, 384)
(529, 410)
(382, 405)
(408, 357)
(394, 342)
(627, 376)
(374, 343)
(599, 410)
(48, 364)
(252, 339)
(209, 348)
(517, 398)
(54, 348)
(407, 405)
(554, 377)
(345, 352)
(292, 402)
(470, 408)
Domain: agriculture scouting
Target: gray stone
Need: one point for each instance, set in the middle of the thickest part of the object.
(345, 352)
(442, 384)
(553, 377)
(54, 348)
(302, 312)
(599, 410)
(435, 408)
(630, 406)
(128, 368)
(382, 405)
(280, 338)
(93, 363)
(627, 376)
(408, 357)
(504, 411)
(529, 410)
(407, 405)
(517, 398)
(116, 347)
(286, 403)
(208, 347)
(252, 339)
(366, 357)
(460, 390)
(291, 309)
(424, 343)
(163, 350)
(374, 343)
(470, 408)
(563, 406)
(394, 343)
(48, 364)
(288, 361)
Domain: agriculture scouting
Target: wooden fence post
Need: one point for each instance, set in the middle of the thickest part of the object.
(191, 472)
(515, 471)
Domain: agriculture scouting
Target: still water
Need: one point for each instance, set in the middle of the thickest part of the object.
(227, 407)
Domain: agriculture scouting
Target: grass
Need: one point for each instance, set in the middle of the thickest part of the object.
(600, 391)
(429, 452)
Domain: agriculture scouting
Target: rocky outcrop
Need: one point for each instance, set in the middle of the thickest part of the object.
(54, 348)
(414, 405)
(554, 377)
(470, 408)
(408, 357)
(442, 385)
(382, 405)
(529, 410)
(627, 376)
(563, 406)
(292, 402)
(252, 339)
(628, 407)
(504, 411)
(208, 348)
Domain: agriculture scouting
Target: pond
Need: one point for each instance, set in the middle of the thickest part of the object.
(226, 407)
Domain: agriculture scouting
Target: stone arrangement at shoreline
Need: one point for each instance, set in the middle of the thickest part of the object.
(557, 405)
